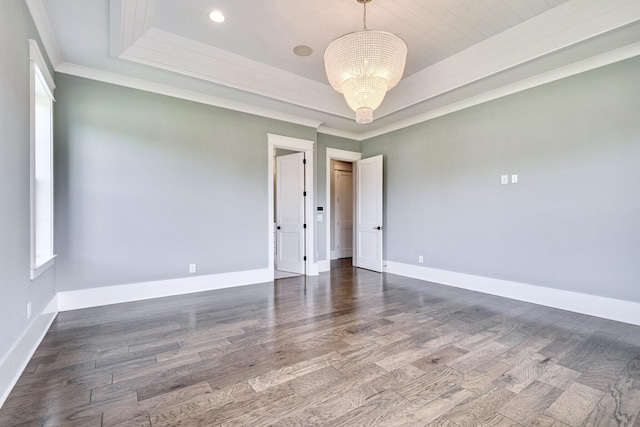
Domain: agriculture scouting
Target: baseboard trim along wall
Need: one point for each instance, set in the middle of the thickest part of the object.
(18, 357)
(324, 265)
(593, 305)
(16, 360)
(94, 297)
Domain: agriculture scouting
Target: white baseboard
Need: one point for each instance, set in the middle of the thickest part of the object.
(333, 254)
(94, 297)
(314, 269)
(593, 305)
(324, 265)
(17, 358)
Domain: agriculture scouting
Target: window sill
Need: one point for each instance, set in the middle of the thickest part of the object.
(42, 265)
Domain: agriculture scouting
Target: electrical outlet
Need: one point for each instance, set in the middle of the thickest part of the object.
(420, 259)
(192, 268)
(29, 310)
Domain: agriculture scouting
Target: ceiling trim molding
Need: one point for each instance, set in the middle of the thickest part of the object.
(136, 18)
(147, 86)
(339, 133)
(191, 58)
(563, 26)
(43, 26)
(560, 27)
(602, 60)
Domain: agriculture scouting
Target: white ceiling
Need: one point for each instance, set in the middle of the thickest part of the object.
(461, 52)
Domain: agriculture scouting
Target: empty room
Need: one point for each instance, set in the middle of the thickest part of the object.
(335, 213)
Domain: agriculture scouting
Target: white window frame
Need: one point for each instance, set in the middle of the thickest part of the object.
(41, 159)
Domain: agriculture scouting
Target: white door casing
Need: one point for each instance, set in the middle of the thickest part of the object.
(344, 213)
(290, 213)
(369, 214)
(347, 156)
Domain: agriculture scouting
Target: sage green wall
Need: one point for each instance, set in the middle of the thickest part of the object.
(573, 220)
(324, 142)
(147, 184)
(16, 290)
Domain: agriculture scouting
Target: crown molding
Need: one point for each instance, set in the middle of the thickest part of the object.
(608, 58)
(168, 51)
(339, 133)
(563, 26)
(43, 26)
(136, 17)
(147, 86)
(133, 35)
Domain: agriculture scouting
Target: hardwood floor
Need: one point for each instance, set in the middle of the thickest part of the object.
(350, 348)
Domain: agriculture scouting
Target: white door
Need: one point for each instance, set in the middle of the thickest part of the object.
(290, 213)
(369, 214)
(344, 213)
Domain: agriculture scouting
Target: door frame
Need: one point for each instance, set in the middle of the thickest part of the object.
(306, 146)
(346, 156)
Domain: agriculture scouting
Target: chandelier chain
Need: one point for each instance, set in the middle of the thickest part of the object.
(364, 17)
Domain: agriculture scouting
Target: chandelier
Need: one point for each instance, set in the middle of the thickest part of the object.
(364, 65)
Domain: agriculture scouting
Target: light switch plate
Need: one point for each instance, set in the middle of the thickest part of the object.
(504, 179)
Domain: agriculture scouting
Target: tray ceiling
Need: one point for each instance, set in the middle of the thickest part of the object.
(461, 52)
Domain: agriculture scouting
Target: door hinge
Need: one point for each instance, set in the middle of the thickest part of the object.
(304, 226)
(304, 258)
(304, 194)
(304, 161)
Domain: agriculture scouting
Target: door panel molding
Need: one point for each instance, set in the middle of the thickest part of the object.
(290, 214)
(369, 214)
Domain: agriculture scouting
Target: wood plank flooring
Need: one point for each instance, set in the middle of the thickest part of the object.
(349, 348)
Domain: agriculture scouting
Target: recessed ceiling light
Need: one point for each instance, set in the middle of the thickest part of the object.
(216, 16)
(302, 50)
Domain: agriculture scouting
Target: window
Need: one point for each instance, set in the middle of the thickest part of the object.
(41, 140)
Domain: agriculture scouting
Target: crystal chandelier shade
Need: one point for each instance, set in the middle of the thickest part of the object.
(363, 66)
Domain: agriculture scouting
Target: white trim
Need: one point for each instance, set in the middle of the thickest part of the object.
(17, 358)
(147, 86)
(41, 266)
(334, 154)
(595, 62)
(95, 297)
(306, 146)
(168, 51)
(42, 258)
(326, 130)
(559, 28)
(324, 265)
(344, 155)
(43, 26)
(35, 55)
(599, 61)
(593, 305)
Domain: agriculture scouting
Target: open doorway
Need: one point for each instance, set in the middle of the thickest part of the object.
(340, 198)
(296, 230)
(341, 209)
